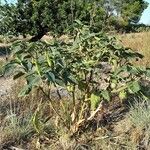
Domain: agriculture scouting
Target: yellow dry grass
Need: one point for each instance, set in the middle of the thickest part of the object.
(139, 42)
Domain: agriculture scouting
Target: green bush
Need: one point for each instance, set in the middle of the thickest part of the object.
(91, 67)
(39, 17)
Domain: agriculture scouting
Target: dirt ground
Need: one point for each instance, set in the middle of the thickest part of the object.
(5, 86)
(6, 83)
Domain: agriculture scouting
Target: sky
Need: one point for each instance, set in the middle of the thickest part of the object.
(146, 15)
(144, 19)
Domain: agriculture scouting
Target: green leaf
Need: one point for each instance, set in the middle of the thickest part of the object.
(25, 91)
(122, 94)
(134, 87)
(95, 99)
(60, 82)
(51, 77)
(72, 80)
(132, 70)
(36, 81)
(33, 80)
(79, 22)
(106, 95)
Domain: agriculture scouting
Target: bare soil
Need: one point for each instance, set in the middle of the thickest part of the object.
(5, 86)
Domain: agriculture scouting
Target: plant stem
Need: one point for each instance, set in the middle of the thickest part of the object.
(52, 106)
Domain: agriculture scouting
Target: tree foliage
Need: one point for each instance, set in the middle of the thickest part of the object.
(37, 17)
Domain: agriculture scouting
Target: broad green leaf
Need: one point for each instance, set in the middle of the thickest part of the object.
(60, 82)
(72, 80)
(25, 91)
(134, 87)
(95, 99)
(132, 70)
(33, 80)
(79, 22)
(51, 77)
(106, 95)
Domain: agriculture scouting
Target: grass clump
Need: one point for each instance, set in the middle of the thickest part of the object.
(139, 116)
(14, 129)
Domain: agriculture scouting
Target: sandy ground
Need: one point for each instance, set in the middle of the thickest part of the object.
(5, 86)
(6, 83)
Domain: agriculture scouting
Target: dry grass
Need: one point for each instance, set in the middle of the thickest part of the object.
(16, 119)
(139, 42)
(9, 39)
(139, 115)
